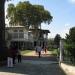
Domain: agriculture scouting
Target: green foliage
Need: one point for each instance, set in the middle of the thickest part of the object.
(70, 42)
(71, 49)
(50, 44)
(54, 52)
(71, 35)
(24, 13)
(57, 40)
(24, 52)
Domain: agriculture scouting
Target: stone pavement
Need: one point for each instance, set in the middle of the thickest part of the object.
(44, 57)
(32, 69)
(34, 66)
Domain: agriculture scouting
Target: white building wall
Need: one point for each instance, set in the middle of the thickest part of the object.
(18, 35)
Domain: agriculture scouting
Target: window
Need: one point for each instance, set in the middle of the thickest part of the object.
(15, 35)
(21, 35)
(15, 30)
(20, 30)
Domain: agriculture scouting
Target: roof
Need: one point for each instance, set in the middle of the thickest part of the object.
(14, 26)
(44, 31)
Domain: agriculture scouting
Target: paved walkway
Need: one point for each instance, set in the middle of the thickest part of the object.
(33, 66)
(32, 69)
(44, 57)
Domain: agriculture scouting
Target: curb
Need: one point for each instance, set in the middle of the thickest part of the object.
(69, 70)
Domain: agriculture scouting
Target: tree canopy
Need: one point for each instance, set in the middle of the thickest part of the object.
(2, 32)
(57, 40)
(71, 36)
(24, 13)
(70, 41)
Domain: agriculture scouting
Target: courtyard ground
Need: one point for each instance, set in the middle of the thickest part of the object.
(32, 65)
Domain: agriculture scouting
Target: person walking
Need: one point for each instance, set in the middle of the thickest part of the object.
(19, 56)
(10, 57)
(39, 49)
(36, 50)
(14, 53)
(45, 49)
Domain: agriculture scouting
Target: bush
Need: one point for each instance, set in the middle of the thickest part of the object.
(70, 48)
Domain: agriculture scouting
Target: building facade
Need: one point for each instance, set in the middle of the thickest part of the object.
(22, 38)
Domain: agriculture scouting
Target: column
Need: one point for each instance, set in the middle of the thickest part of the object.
(61, 51)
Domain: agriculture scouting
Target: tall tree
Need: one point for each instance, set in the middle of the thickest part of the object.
(27, 14)
(70, 40)
(71, 36)
(2, 29)
(11, 14)
(50, 43)
(57, 40)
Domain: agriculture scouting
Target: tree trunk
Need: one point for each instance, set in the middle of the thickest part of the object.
(2, 29)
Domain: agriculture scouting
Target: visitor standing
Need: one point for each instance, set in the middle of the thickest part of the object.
(45, 49)
(14, 53)
(19, 56)
(39, 49)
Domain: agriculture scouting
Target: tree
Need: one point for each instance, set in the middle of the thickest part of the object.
(2, 30)
(57, 40)
(24, 13)
(71, 36)
(70, 41)
(11, 14)
(50, 44)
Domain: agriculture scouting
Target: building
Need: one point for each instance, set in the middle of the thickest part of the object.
(22, 38)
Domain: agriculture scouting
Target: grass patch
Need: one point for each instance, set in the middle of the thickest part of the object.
(54, 52)
(23, 52)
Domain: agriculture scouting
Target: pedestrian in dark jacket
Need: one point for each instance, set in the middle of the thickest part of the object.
(19, 56)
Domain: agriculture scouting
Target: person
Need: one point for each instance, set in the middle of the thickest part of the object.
(36, 49)
(45, 49)
(14, 53)
(9, 57)
(19, 56)
(39, 49)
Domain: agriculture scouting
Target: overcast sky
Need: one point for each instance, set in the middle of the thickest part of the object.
(63, 12)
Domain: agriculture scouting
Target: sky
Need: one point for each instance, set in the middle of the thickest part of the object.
(63, 12)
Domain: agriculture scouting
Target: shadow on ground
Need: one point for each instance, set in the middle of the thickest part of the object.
(33, 69)
(44, 57)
